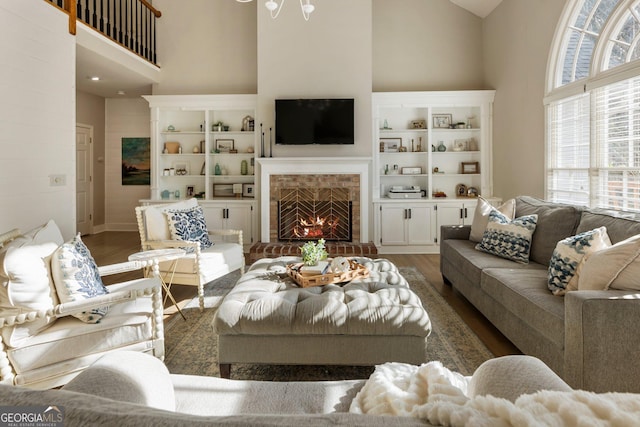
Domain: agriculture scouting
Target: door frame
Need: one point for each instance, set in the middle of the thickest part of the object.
(91, 189)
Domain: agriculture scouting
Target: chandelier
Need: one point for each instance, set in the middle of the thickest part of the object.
(275, 7)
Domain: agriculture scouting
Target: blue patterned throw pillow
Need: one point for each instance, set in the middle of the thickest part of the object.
(76, 277)
(189, 225)
(568, 254)
(510, 239)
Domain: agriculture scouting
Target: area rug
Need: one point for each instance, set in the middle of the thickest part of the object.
(191, 347)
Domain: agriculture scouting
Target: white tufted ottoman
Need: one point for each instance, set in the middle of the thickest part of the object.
(267, 318)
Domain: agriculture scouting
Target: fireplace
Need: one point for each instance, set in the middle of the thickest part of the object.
(314, 213)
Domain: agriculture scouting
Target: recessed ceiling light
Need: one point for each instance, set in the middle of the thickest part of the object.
(121, 92)
(94, 78)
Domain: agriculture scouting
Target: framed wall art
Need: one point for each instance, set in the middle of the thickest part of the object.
(470, 167)
(224, 145)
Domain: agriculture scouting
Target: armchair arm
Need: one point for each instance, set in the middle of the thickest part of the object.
(223, 233)
(167, 244)
(601, 337)
(122, 267)
(459, 232)
(127, 292)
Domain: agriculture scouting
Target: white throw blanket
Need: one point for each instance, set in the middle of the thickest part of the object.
(438, 395)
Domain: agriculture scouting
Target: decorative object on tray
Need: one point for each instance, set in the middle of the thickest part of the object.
(313, 252)
(308, 278)
(340, 264)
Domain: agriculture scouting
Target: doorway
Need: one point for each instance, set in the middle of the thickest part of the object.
(84, 182)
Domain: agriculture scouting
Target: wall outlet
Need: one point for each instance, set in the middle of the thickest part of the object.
(57, 180)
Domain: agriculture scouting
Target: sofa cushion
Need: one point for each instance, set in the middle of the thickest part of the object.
(618, 228)
(481, 216)
(524, 293)
(128, 376)
(156, 222)
(46, 233)
(216, 261)
(555, 222)
(568, 254)
(189, 225)
(25, 286)
(76, 277)
(616, 267)
(510, 239)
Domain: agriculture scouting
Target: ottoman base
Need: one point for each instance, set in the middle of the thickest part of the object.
(354, 350)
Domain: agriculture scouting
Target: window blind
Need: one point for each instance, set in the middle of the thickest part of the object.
(568, 150)
(617, 145)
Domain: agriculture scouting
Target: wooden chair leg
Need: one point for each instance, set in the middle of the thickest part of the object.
(225, 370)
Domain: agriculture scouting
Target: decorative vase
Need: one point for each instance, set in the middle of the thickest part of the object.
(441, 146)
(217, 170)
(244, 167)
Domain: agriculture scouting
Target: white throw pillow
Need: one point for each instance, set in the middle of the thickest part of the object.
(481, 216)
(567, 256)
(26, 285)
(616, 267)
(156, 221)
(46, 233)
(76, 277)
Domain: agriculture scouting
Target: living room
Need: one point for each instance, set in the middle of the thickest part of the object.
(346, 49)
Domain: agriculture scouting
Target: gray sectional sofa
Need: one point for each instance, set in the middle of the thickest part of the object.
(590, 338)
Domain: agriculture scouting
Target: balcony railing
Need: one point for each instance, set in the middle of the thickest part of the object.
(130, 23)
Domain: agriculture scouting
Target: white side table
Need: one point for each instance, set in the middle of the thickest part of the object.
(157, 256)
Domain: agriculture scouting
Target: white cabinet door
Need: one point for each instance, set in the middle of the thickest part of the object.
(454, 214)
(215, 216)
(239, 217)
(418, 225)
(392, 225)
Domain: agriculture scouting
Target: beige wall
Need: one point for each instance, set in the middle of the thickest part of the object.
(517, 37)
(327, 57)
(90, 111)
(37, 110)
(425, 45)
(206, 47)
(124, 118)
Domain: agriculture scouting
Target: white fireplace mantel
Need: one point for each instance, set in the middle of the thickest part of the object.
(311, 166)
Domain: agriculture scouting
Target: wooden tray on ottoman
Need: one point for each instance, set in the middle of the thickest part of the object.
(356, 271)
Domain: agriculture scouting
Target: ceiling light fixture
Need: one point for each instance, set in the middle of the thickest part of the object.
(275, 7)
(94, 78)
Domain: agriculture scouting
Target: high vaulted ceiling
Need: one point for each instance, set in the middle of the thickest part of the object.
(481, 8)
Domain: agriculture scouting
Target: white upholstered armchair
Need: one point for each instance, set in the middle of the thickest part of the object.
(43, 342)
(210, 253)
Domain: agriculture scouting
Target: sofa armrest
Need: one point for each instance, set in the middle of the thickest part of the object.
(459, 232)
(509, 377)
(601, 339)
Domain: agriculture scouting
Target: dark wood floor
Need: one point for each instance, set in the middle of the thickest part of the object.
(114, 247)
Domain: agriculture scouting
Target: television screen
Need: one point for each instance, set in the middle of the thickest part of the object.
(314, 121)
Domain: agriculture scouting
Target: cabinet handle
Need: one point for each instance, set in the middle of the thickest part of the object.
(461, 213)
(409, 210)
(465, 213)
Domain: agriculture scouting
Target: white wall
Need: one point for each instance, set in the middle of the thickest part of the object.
(128, 118)
(517, 37)
(37, 116)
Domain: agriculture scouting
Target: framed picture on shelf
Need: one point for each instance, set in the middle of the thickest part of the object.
(418, 124)
(222, 190)
(390, 145)
(224, 145)
(470, 167)
(247, 190)
(190, 191)
(442, 121)
(461, 190)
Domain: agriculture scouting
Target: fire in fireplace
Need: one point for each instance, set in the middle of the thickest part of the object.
(314, 213)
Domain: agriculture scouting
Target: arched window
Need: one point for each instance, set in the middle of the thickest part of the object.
(593, 106)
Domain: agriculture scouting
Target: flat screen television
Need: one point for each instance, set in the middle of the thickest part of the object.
(314, 121)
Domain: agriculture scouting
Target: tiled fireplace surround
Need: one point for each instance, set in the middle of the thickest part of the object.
(349, 172)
